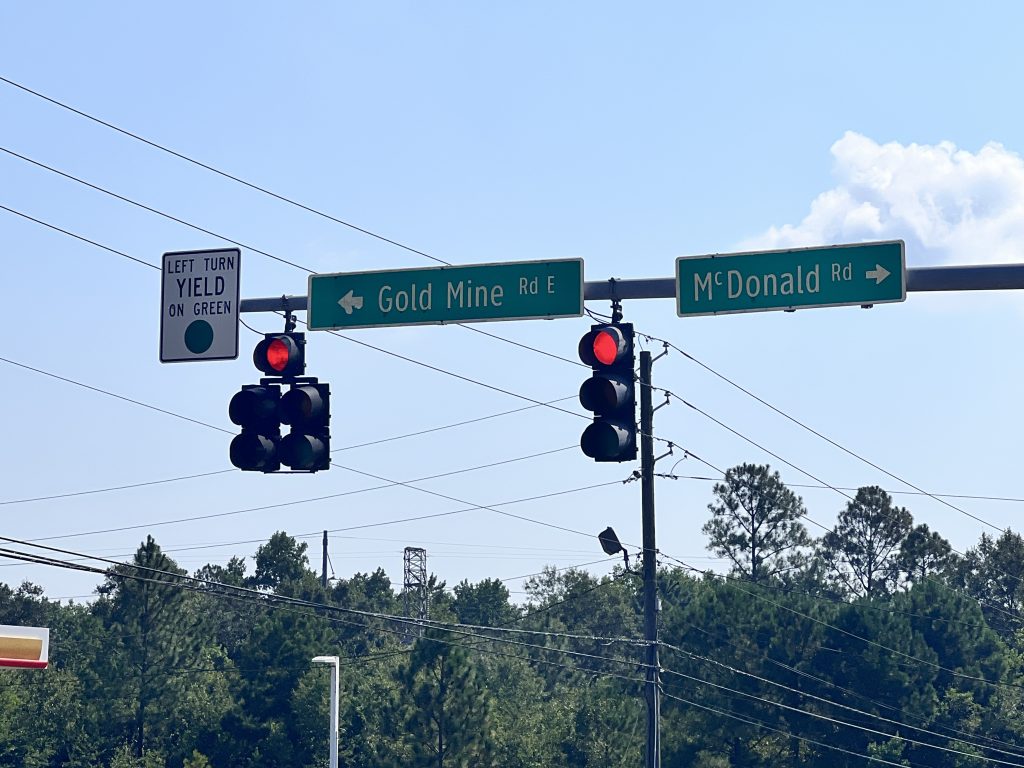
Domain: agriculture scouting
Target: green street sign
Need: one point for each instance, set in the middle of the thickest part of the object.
(796, 278)
(474, 293)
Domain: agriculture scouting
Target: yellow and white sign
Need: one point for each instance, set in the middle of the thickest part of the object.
(26, 647)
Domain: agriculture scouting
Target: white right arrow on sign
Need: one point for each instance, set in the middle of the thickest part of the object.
(878, 274)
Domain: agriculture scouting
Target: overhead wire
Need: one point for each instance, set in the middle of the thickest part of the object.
(228, 471)
(268, 192)
(983, 601)
(287, 604)
(843, 723)
(829, 440)
(219, 172)
(150, 209)
(952, 733)
(240, 244)
(865, 640)
(890, 491)
(786, 734)
(218, 588)
(382, 350)
(112, 488)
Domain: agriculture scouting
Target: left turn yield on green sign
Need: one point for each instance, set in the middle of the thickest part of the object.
(199, 305)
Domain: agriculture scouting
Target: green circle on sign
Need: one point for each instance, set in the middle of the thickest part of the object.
(198, 336)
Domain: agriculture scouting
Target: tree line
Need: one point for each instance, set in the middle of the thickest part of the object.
(875, 643)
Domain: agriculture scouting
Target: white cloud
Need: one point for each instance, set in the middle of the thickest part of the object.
(951, 206)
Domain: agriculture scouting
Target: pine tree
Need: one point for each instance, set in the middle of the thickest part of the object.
(444, 709)
(755, 523)
(158, 630)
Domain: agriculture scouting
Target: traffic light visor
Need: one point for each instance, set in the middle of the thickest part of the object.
(605, 393)
(305, 405)
(606, 441)
(304, 452)
(253, 405)
(253, 452)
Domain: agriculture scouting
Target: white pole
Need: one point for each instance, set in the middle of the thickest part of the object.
(335, 663)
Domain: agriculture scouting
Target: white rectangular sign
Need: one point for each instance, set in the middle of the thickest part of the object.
(199, 305)
(25, 647)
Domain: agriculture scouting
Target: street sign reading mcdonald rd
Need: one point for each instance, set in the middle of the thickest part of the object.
(796, 278)
(515, 290)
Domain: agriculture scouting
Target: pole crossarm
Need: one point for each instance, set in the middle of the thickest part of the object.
(981, 277)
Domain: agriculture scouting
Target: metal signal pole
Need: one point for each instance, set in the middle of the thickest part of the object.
(323, 573)
(650, 565)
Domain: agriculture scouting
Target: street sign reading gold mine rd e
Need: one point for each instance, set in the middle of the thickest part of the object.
(473, 293)
(797, 278)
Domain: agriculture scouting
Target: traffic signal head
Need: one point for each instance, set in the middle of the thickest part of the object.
(306, 408)
(610, 393)
(281, 354)
(255, 410)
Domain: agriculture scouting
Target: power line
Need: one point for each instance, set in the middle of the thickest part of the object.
(227, 471)
(823, 598)
(836, 721)
(233, 241)
(108, 393)
(787, 734)
(452, 425)
(116, 487)
(184, 581)
(293, 502)
(945, 586)
(225, 174)
(850, 488)
(829, 440)
(151, 209)
(865, 640)
(351, 339)
(79, 237)
(804, 694)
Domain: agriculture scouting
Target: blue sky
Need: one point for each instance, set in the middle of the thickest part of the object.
(502, 132)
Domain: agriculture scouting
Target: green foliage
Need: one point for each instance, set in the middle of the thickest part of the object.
(279, 561)
(924, 553)
(863, 551)
(197, 760)
(755, 523)
(446, 712)
(485, 603)
(151, 675)
(992, 573)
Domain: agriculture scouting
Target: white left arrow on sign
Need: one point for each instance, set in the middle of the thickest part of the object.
(349, 302)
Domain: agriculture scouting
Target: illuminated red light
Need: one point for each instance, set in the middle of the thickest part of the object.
(606, 348)
(277, 355)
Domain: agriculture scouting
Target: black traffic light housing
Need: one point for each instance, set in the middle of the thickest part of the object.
(281, 354)
(610, 393)
(255, 410)
(306, 408)
(261, 409)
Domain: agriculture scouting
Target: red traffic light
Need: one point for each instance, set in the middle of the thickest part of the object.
(605, 346)
(278, 354)
(281, 354)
